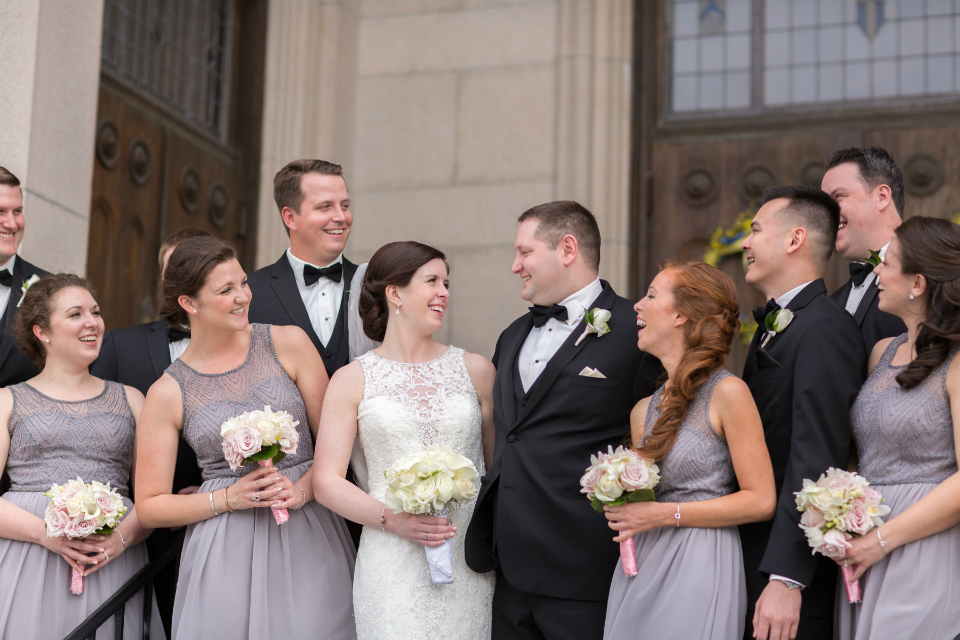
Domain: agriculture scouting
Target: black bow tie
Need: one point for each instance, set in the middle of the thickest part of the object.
(6, 278)
(176, 335)
(311, 273)
(541, 314)
(760, 313)
(859, 272)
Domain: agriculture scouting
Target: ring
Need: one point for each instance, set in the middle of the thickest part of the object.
(256, 496)
(105, 555)
(424, 536)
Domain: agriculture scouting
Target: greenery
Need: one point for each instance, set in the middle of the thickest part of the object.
(726, 242)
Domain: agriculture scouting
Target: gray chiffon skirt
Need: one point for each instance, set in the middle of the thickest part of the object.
(689, 585)
(244, 576)
(911, 594)
(35, 597)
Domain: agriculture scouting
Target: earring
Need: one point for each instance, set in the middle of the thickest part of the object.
(47, 340)
(911, 296)
(398, 306)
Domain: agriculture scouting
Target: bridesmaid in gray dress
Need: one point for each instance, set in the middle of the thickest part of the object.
(62, 424)
(703, 430)
(906, 422)
(241, 575)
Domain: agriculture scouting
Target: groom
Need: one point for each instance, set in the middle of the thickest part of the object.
(561, 394)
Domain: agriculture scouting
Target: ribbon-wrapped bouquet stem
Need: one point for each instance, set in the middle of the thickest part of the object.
(618, 477)
(78, 510)
(264, 437)
(836, 508)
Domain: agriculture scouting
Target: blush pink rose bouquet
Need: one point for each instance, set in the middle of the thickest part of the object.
(264, 437)
(836, 508)
(77, 510)
(618, 477)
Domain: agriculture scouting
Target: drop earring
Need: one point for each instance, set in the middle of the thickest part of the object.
(398, 306)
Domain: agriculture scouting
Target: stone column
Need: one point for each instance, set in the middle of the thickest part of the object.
(49, 83)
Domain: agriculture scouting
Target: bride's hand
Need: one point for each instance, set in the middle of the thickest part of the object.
(430, 531)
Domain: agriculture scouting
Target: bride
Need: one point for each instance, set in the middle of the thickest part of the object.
(404, 396)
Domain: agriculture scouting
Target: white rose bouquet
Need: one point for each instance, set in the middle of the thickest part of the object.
(265, 437)
(424, 483)
(77, 510)
(618, 477)
(839, 506)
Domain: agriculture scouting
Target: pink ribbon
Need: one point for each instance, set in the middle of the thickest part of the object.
(76, 582)
(280, 515)
(628, 557)
(853, 588)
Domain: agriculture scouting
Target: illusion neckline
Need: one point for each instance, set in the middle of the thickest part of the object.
(106, 385)
(413, 364)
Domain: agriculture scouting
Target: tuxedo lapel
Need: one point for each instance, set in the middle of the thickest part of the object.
(843, 293)
(866, 302)
(802, 299)
(158, 344)
(285, 285)
(506, 362)
(7, 338)
(751, 361)
(349, 270)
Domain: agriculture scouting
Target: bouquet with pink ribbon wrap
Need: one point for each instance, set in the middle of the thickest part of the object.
(265, 437)
(78, 510)
(618, 477)
(836, 508)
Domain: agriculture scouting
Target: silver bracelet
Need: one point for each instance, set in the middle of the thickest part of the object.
(677, 516)
(304, 493)
(883, 545)
(122, 540)
(213, 508)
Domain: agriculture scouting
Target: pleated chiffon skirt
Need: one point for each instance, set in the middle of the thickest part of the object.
(35, 598)
(244, 576)
(914, 592)
(689, 585)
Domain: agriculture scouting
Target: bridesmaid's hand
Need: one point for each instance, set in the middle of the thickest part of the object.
(74, 551)
(107, 551)
(261, 483)
(430, 531)
(863, 553)
(636, 517)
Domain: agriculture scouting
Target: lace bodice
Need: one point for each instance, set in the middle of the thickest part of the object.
(698, 466)
(209, 400)
(904, 437)
(52, 441)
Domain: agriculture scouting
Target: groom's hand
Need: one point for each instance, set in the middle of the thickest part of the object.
(777, 613)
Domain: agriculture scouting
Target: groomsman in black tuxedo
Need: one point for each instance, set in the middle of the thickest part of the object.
(868, 186)
(561, 395)
(138, 356)
(15, 272)
(804, 378)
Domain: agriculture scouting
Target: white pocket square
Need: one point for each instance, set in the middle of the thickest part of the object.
(591, 373)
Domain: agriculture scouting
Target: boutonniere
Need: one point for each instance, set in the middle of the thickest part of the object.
(26, 285)
(596, 323)
(874, 259)
(776, 322)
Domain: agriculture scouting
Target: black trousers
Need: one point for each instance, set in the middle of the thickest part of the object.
(525, 616)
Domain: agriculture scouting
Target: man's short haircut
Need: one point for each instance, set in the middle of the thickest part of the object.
(7, 179)
(567, 218)
(812, 209)
(287, 184)
(876, 167)
(176, 238)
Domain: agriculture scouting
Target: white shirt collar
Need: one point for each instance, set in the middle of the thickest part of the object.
(8, 265)
(578, 303)
(297, 265)
(788, 297)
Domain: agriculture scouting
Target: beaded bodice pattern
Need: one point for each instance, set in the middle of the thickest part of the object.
(699, 466)
(904, 436)
(209, 400)
(52, 441)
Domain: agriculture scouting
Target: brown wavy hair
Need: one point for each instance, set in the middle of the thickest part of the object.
(708, 298)
(190, 264)
(931, 247)
(36, 308)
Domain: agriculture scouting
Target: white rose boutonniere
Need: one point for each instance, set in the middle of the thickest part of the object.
(596, 323)
(776, 322)
(26, 285)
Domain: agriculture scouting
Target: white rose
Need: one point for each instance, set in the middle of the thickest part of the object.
(608, 488)
(781, 319)
(600, 316)
(74, 506)
(464, 490)
(445, 489)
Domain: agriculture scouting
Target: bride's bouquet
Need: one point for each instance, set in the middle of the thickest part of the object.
(618, 477)
(424, 483)
(836, 508)
(77, 510)
(265, 437)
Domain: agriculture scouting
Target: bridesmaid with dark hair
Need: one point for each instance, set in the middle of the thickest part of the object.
(59, 425)
(241, 575)
(906, 422)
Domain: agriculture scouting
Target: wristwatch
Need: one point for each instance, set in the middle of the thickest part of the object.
(790, 584)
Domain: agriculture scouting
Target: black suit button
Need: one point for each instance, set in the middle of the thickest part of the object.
(327, 354)
(512, 438)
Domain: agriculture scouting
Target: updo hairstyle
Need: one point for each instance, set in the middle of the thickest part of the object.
(394, 263)
(708, 298)
(190, 264)
(931, 247)
(36, 309)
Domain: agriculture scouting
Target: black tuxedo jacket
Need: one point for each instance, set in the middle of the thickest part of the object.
(804, 383)
(531, 521)
(875, 325)
(276, 300)
(15, 365)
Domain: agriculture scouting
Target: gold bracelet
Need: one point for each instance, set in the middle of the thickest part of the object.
(383, 519)
(227, 500)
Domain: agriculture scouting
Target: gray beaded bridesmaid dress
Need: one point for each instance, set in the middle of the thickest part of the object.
(905, 442)
(241, 574)
(690, 582)
(52, 441)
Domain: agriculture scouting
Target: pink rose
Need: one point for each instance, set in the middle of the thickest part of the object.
(106, 503)
(248, 440)
(872, 497)
(65, 495)
(842, 483)
(635, 475)
(230, 451)
(857, 519)
(812, 518)
(288, 440)
(56, 521)
(84, 528)
(590, 478)
(835, 544)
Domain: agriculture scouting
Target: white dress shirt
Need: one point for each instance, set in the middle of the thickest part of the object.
(4, 290)
(177, 348)
(322, 298)
(857, 293)
(543, 342)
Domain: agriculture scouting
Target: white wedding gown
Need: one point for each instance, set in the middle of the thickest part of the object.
(406, 408)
